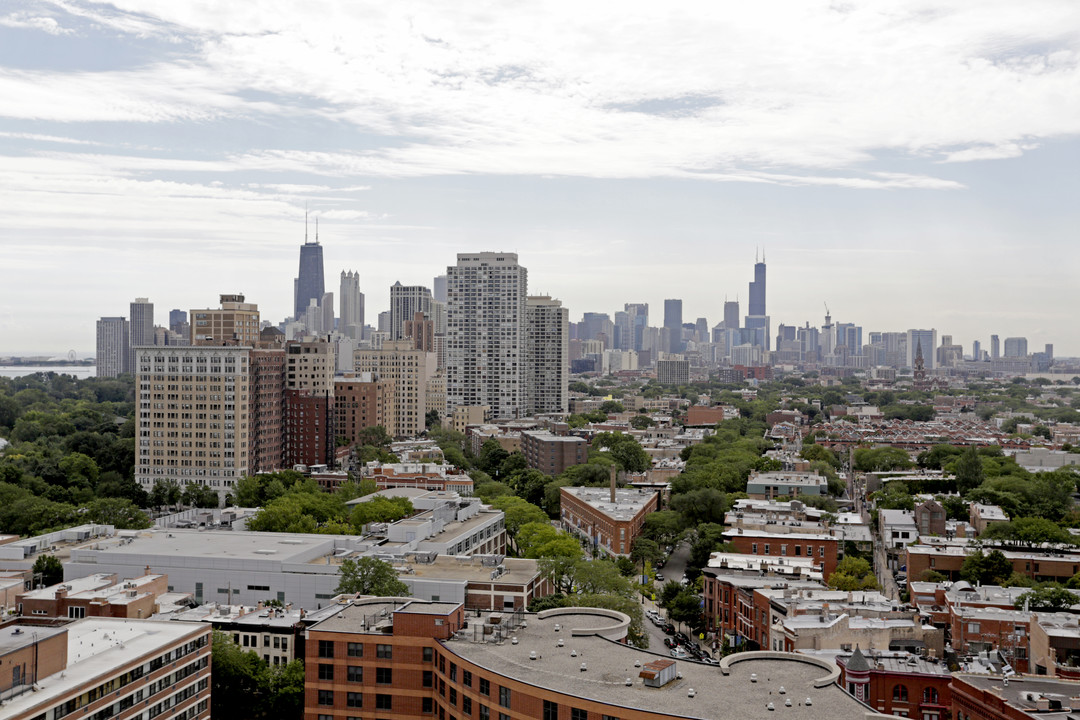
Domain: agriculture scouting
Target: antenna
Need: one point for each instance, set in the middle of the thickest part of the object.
(305, 224)
(316, 230)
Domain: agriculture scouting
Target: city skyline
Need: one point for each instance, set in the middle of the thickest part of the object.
(912, 165)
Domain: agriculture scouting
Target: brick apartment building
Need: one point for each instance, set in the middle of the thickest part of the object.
(823, 549)
(402, 658)
(898, 684)
(99, 595)
(553, 454)
(611, 519)
(362, 402)
(948, 559)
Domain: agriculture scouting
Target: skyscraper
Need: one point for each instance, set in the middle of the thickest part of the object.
(351, 300)
(639, 320)
(757, 320)
(140, 328)
(438, 289)
(1016, 347)
(547, 358)
(112, 346)
(597, 326)
(927, 339)
(701, 327)
(995, 347)
(673, 324)
(731, 314)
(485, 333)
(406, 301)
(235, 323)
(309, 280)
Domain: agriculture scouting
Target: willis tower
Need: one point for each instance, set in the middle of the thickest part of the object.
(757, 321)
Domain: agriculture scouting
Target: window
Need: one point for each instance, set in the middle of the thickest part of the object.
(428, 678)
(384, 676)
(466, 678)
(453, 697)
(76, 612)
(504, 696)
(384, 702)
(485, 687)
(551, 710)
(930, 695)
(753, 548)
(767, 549)
(899, 693)
(326, 672)
(453, 672)
(485, 714)
(427, 654)
(326, 697)
(821, 551)
(609, 717)
(973, 627)
(354, 700)
(426, 705)
(355, 673)
(466, 705)
(578, 714)
(384, 652)
(326, 648)
(356, 650)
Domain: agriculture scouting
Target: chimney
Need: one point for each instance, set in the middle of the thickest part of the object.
(612, 473)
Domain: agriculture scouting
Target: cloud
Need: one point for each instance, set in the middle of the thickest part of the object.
(34, 22)
(786, 93)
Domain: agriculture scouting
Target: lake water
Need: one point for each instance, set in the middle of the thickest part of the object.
(79, 371)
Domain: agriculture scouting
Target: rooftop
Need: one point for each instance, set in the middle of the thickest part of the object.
(609, 664)
(628, 501)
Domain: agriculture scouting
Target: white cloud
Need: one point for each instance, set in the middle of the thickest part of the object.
(35, 22)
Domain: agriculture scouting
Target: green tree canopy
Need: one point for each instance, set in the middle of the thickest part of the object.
(49, 568)
(370, 576)
(991, 568)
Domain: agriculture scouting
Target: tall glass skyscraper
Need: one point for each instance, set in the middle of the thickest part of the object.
(308, 285)
(757, 320)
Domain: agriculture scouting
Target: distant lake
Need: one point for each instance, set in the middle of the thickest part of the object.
(79, 371)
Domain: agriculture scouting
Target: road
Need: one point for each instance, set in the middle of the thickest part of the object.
(673, 570)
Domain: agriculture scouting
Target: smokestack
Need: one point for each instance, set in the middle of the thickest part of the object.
(612, 484)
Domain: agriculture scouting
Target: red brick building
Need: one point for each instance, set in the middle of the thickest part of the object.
(265, 418)
(361, 403)
(898, 683)
(611, 519)
(100, 595)
(824, 549)
(309, 428)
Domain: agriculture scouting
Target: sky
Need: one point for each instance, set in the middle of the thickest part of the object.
(909, 163)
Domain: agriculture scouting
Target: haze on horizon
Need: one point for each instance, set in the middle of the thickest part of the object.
(912, 164)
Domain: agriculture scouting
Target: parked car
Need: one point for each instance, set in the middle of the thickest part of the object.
(682, 637)
(669, 643)
(678, 653)
(660, 577)
(669, 629)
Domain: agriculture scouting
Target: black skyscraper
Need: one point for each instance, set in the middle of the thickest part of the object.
(309, 281)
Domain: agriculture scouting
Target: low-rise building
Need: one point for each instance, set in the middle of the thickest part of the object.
(483, 582)
(789, 542)
(97, 595)
(610, 518)
(105, 668)
(980, 516)
(771, 485)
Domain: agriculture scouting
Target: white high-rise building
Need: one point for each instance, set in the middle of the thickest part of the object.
(547, 359)
(485, 333)
(406, 301)
(351, 314)
(112, 346)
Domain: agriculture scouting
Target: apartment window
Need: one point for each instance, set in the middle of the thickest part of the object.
(384, 702)
(326, 648)
(356, 649)
(551, 710)
(326, 697)
(485, 713)
(354, 700)
(578, 714)
(609, 717)
(384, 676)
(426, 705)
(753, 548)
(900, 693)
(766, 548)
(466, 678)
(384, 652)
(326, 672)
(355, 673)
(453, 697)
(466, 705)
(973, 627)
(428, 654)
(428, 679)
(453, 672)
(485, 687)
(504, 696)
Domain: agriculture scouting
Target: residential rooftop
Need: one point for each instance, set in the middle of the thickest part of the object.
(628, 501)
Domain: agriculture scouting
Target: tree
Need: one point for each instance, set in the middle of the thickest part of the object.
(164, 492)
(853, 573)
(610, 407)
(518, 512)
(375, 435)
(431, 418)
(645, 552)
(49, 568)
(663, 526)
(380, 509)
(969, 470)
(992, 568)
(1049, 596)
(1029, 531)
(118, 512)
(370, 576)
(685, 607)
(932, 576)
(200, 496)
(641, 422)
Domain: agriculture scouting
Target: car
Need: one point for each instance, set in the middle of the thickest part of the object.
(669, 643)
(678, 653)
(710, 660)
(682, 637)
(669, 629)
(659, 577)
